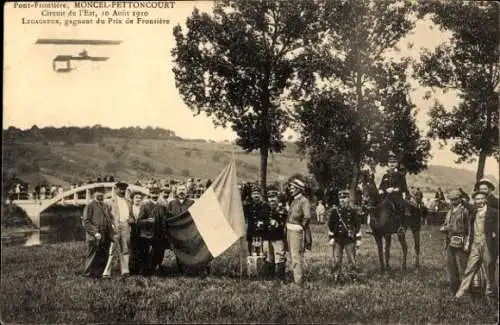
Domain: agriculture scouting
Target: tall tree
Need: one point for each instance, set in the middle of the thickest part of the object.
(241, 64)
(469, 64)
(326, 127)
(352, 59)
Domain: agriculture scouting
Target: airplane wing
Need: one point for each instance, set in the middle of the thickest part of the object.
(76, 41)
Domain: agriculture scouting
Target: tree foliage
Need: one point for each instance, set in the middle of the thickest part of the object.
(242, 63)
(469, 64)
(369, 89)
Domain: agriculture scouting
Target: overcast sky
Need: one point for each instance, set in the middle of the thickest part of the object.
(135, 87)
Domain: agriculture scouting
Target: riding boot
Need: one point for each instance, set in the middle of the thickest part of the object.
(281, 271)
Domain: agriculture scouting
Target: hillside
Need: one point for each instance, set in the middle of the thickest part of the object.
(133, 159)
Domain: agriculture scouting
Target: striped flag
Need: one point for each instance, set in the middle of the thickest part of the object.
(212, 224)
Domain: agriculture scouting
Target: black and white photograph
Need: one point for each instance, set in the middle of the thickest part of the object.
(250, 162)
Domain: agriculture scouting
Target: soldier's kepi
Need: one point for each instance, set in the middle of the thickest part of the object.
(393, 187)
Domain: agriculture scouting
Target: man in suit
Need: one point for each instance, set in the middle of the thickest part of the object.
(483, 244)
(98, 225)
(120, 210)
(148, 223)
(177, 206)
(135, 209)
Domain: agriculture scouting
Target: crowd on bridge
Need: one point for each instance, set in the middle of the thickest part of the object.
(278, 229)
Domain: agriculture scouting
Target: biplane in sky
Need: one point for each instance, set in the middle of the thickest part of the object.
(65, 60)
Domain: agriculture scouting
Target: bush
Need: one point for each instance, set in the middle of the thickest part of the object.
(216, 158)
(185, 173)
(187, 153)
(168, 171)
(147, 153)
(110, 149)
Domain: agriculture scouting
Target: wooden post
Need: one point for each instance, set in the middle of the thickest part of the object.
(87, 196)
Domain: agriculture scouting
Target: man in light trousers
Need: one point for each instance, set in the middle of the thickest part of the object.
(483, 246)
(299, 216)
(120, 210)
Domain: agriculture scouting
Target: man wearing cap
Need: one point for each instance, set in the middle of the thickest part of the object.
(120, 210)
(456, 228)
(486, 186)
(98, 225)
(483, 243)
(274, 240)
(299, 216)
(343, 225)
(393, 186)
(177, 206)
(151, 237)
(257, 211)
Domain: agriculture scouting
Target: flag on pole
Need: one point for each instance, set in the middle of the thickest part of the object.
(212, 224)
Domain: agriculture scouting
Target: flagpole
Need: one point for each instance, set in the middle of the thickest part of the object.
(241, 241)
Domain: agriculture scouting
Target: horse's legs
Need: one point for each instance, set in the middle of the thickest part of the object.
(404, 246)
(387, 238)
(378, 240)
(416, 241)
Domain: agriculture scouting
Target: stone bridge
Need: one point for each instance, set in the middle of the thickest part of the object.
(34, 208)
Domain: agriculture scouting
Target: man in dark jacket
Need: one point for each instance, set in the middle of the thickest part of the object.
(146, 226)
(393, 187)
(98, 225)
(177, 206)
(343, 224)
(256, 211)
(274, 240)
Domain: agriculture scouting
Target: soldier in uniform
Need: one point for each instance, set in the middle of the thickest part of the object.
(299, 216)
(344, 224)
(274, 240)
(393, 186)
(257, 212)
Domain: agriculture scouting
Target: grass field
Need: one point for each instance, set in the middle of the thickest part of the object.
(38, 285)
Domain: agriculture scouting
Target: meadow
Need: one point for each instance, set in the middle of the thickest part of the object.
(39, 285)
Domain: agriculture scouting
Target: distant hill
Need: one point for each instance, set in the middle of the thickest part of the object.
(36, 157)
(447, 178)
(133, 159)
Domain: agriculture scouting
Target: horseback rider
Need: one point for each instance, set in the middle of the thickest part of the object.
(393, 187)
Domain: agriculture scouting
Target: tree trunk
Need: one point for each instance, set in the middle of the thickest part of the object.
(354, 182)
(264, 152)
(480, 165)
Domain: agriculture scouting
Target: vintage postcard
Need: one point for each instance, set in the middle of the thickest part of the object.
(249, 162)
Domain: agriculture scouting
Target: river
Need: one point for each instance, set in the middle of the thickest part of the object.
(58, 224)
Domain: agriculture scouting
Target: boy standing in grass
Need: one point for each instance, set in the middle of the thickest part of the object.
(343, 226)
(456, 228)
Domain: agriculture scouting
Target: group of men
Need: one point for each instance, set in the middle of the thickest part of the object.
(277, 227)
(472, 240)
(132, 228)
